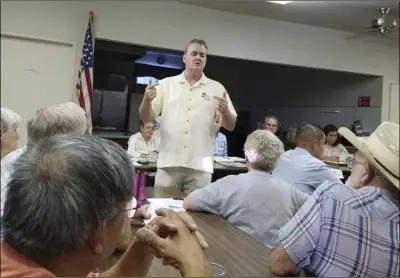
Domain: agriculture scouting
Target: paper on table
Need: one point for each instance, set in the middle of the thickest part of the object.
(237, 159)
(169, 203)
(222, 159)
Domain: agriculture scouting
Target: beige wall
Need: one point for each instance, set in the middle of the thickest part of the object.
(170, 24)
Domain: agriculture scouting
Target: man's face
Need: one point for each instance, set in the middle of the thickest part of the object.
(271, 125)
(147, 130)
(195, 57)
(104, 241)
(359, 170)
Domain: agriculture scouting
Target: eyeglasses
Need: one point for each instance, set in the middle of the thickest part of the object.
(130, 213)
(130, 209)
(351, 162)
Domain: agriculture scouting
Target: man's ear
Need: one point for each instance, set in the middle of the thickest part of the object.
(367, 174)
(314, 143)
(96, 241)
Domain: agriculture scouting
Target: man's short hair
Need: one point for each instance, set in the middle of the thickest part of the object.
(262, 150)
(62, 190)
(309, 133)
(272, 117)
(64, 118)
(197, 41)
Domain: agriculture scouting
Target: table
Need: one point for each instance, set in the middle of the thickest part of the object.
(143, 169)
(241, 255)
(152, 167)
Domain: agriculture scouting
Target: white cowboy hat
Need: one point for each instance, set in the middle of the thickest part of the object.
(381, 148)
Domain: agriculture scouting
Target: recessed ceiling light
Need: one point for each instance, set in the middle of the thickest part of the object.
(280, 2)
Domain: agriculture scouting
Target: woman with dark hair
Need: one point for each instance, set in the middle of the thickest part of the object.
(333, 150)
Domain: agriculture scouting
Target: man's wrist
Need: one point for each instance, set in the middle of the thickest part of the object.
(195, 270)
(194, 267)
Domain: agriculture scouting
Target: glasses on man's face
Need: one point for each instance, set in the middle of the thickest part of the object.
(130, 213)
(130, 209)
(351, 162)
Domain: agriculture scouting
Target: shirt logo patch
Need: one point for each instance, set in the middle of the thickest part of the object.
(205, 96)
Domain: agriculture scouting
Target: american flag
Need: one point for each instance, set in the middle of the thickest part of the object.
(84, 86)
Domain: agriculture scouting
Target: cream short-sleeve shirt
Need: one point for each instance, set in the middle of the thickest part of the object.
(187, 121)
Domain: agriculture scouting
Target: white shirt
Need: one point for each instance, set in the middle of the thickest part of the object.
(187, 124)
(137, 146)
(7, 166)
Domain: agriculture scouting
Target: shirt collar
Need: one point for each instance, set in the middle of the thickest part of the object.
(19, 264)
(301, 150)
(203, 79)
(385, 192)
(258, 172)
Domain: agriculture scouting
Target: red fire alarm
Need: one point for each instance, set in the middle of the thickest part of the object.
(364, 101)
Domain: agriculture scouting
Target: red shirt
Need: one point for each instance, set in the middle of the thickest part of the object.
(15, 264)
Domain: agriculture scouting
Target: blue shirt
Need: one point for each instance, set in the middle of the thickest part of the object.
(220, 145)
(343, 232)
(302, 170)
(256, 202)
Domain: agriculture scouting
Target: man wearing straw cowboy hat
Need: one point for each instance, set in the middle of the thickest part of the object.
(350, 230)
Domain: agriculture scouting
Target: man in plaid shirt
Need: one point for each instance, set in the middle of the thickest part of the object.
(353, 229)
(220, 145)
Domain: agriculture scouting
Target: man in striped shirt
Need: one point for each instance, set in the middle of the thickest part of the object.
(350, 230)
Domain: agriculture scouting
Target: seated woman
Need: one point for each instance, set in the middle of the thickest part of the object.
(143, 143)
(9, 136)
(333, 150)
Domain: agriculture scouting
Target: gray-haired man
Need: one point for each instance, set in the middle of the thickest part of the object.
(271, 123)
(64, 118)
(256, 202)
(65, 208)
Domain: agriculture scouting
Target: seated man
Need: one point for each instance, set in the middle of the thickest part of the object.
(220, 145)
(344, 231)
(256, 202)
(271, 123)
(64, 118)
(65, 208)
(302, 167)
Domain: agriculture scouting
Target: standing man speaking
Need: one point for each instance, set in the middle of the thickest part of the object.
(191, 106)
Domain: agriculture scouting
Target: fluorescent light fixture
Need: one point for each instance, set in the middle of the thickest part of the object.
(280, 2)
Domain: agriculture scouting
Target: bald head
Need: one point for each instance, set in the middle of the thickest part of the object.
(312, 139)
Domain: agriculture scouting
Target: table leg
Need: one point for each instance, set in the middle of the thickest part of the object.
(138, 189)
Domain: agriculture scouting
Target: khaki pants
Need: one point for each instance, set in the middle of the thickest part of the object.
(185, 179)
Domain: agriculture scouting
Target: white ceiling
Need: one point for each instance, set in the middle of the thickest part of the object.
(352, 16)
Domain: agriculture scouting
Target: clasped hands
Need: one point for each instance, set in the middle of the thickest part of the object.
(174, 238)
